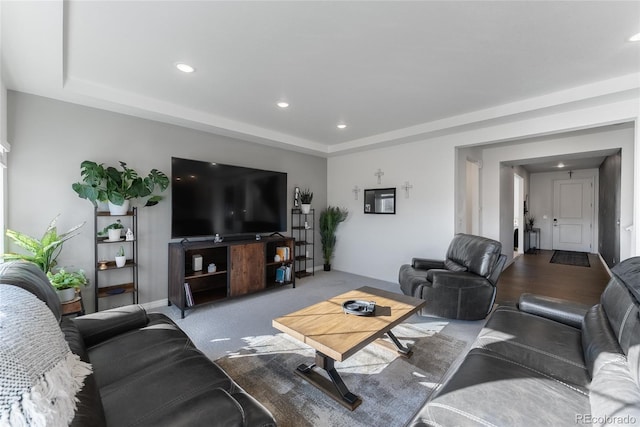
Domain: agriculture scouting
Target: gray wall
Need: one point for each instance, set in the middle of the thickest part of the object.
(49, 139)
(609, 209)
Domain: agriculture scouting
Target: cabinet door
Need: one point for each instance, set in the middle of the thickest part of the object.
(247, 268)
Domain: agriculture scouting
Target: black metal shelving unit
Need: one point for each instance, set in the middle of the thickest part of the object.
(302, 230)
(104, 259)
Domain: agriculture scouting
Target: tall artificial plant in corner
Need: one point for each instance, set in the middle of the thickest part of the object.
(330, 218)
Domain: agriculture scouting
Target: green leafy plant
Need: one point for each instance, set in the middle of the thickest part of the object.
(64, 279)
(94, 182)
(329, 220)
(127, 184)
(114, 226)
(120, 251)
(102, 183)
(306, 196)
(44, 251)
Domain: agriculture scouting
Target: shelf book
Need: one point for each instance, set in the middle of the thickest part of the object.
(188, 295)
(284, 252)
(283, 274)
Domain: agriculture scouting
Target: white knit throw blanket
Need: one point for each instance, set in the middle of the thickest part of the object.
(39, 375)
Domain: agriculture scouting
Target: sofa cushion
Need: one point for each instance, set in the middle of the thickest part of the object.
(165, 386)
(477, 254)
(28, 276)
(102, 325)
(160, 341)
(621, 310)
(454, 266)
(489, 389)
(204, 408)
(542, 345)
(89, 411)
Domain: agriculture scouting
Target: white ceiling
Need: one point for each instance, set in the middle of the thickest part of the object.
(388, 69)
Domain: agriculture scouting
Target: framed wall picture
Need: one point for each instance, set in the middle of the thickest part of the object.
(296, 197)
(380, 201)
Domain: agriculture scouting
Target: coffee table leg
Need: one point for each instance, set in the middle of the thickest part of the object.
(343, 395)
(401, 348)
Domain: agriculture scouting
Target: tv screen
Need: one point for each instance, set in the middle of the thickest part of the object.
(211, 198)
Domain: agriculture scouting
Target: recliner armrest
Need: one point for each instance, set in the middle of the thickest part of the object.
(426, 264)
(98, 327)
(455, 279)
(563, 311)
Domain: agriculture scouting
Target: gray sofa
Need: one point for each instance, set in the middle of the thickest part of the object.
(146, 371)
(550, 362)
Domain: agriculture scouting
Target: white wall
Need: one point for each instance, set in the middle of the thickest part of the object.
(49, 139)
(492, 174)
(376, 245)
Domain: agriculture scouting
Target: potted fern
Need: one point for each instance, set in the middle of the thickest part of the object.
(330, 218)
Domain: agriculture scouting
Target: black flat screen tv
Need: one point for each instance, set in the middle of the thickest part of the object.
(212, 198)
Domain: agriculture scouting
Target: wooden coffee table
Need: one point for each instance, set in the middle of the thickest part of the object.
(336, 336)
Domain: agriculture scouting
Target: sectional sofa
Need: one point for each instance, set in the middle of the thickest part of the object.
(550, 362)
(145, 370)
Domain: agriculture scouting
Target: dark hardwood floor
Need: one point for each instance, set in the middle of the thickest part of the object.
(533, 273)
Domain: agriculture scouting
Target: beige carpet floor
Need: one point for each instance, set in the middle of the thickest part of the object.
(392, 387)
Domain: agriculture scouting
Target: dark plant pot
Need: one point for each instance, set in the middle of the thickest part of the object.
(327, 267)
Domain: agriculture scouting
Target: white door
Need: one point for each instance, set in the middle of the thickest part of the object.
(573, 214)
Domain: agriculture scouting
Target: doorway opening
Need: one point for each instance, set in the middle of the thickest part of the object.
(518, 215)
(472, 202)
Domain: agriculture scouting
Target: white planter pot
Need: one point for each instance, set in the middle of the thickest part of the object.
(121, 261)
(114, 234)
(66, 294)
(119, 210)
(305, 208)
(102, 206)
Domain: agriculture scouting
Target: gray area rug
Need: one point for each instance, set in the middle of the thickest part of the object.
(580, 259)
(392, 387)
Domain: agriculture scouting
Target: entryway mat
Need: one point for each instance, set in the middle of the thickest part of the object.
(580, 259)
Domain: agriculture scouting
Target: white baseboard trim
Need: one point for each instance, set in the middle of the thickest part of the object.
(155, 304)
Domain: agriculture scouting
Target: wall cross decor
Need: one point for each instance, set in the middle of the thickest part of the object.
(356, 190)
(379, 175)
(406, 187)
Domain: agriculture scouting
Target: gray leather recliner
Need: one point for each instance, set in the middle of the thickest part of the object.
(463, 286)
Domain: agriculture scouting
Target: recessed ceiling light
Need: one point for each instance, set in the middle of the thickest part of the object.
(341, 126)
(185, 68)
(560, 165)
(282, 104)
(635, 38)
